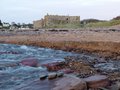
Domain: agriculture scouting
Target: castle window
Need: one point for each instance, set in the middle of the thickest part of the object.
(67, 19)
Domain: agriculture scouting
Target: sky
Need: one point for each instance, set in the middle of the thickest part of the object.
(26, 11)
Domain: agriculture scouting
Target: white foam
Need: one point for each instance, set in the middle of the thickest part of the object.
(24, 47)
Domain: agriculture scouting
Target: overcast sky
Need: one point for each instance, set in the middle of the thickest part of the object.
(29, 10)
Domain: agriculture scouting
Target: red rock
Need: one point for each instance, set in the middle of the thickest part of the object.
(33, 62)
(55, 66)
(97, 81)
(70, 83)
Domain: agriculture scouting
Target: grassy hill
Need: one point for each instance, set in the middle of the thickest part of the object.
(103, 24)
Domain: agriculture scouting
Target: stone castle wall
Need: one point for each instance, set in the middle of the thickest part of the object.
(38, 24)
(52, 20)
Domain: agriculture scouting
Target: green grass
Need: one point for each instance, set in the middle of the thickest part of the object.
(93, 25)
(103, 24)
(74, 26)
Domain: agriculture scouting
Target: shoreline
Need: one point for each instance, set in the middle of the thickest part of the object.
(108, 50)
(104, 44)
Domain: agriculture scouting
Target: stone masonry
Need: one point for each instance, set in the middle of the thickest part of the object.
(52, 20)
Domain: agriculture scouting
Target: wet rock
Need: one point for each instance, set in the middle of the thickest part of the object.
(70, 83)
(42, 77)
(70, 58)
(14, 52)
(36, 85)
(97, 81)
(114, 76)
(52, 75)
(80, 75)
(118, 85)
(88, 59)
(115, 86)
(102, 88)
(85, 59)
(109, 67)
(60, 74)
(33, 62)
(55, 66)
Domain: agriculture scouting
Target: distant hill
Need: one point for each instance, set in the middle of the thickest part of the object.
(101, 23)
(86, 21)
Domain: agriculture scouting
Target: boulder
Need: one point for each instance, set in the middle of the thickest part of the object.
(33, 62)
(42, 77)
(60, 74)
(118, 85)
(97, 81)
(70, 83)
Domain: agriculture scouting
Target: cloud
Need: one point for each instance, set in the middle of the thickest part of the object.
(29, 10)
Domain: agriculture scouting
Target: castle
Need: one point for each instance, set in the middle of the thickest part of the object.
(54, 20)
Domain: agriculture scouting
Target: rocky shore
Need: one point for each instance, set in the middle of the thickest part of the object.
(99, 73)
